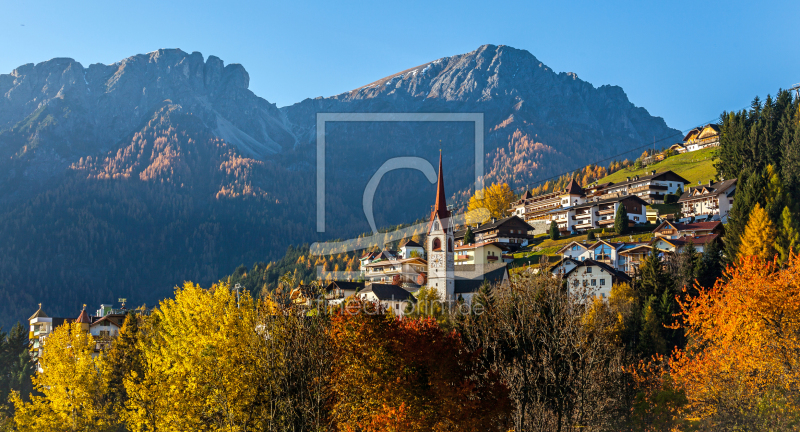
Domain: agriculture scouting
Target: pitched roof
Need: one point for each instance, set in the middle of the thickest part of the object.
(83, 318)
(345, 286)
(114, 319)
(387, 292)
(655, 176)
(411, 243)
(38, 314)
(590, 262)
(570, 244)
(440, 208)
(609, 200)
(573, 188)
(706, 190)
(493, 275)
(490, 225)
(681, 241)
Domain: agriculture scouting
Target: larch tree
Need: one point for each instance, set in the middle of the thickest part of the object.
(740, 370)
(759, 235)
(73, 391)
(490, 202)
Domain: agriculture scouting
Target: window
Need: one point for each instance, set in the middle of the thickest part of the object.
(436, 226)
(437, 244)
(449, 245)
(594, 282)
(588, 269)
(602, 282)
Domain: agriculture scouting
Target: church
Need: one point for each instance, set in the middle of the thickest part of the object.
(450, 281)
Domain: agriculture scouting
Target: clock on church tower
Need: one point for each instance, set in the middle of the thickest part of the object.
(440, 244)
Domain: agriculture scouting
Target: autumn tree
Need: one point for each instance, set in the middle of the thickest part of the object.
(203, 365)
(73, 391)
(559, 371)
(490, 202)
(759, 235)
(740, 369)
(404, 375)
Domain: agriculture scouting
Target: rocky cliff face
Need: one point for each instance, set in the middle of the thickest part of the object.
(55, 112)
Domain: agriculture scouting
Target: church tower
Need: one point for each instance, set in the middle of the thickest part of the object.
(440, 244)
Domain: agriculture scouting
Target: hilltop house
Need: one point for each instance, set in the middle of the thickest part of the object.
(702, 137)
(711, 201)
(651, 188)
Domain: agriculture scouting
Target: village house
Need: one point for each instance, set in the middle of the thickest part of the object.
(621, 256)
(407, 272)
(676, 245)
(338, 290)
(702, 137)
(711, 201)
(103, 326)
(512, 232)
(481, 253)
(532, 207)
(651, 188)
(470, 278)
(391, 297)
(599, 277)
(602, 213)
(412, 249)
(673, 230)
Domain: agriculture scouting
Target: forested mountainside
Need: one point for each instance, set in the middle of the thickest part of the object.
(124, 180)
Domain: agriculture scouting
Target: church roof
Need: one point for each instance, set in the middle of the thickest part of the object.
(440, 208)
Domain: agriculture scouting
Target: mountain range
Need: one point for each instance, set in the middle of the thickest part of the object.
(124, 180)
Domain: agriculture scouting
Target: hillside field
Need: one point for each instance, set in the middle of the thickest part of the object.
(695, 166)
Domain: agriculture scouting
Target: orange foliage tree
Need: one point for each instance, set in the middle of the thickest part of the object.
(741, 367)
(404, 375)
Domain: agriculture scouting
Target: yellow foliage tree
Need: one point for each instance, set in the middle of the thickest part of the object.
(72, 384)
(759, 235)
(491, 202)
(204, 367)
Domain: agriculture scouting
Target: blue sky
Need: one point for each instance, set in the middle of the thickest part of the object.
(685, 61)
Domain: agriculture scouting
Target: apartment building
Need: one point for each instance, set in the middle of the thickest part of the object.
(651, 188)
(708, 201)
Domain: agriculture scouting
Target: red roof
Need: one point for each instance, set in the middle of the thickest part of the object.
(440, 209)
(83, 318)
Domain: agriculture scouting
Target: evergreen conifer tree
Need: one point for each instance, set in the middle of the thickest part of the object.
(485, 298)
(711, 265)
(788, 238)
(122, 358)
(469, 237)
(654, 280)
(651, 339)
(554, 232)
(621, 220)
(749, 190)
(759, 235)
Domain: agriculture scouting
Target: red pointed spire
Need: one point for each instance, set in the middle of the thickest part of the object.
(440, 209)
